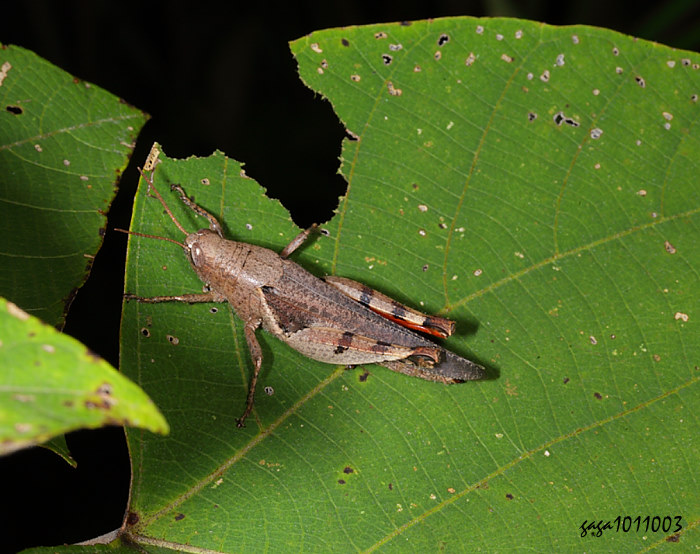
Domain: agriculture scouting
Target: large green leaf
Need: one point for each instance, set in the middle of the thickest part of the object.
(63, 146)
(51, 384)
(536, 184)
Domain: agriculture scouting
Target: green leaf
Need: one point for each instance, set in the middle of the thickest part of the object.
(63, 146)
(51, 384)
(536, 184)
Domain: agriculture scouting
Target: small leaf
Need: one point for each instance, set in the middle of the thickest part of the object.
(63, 146)
(51, 384)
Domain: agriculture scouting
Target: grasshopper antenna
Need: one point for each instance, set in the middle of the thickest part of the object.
(151, 187)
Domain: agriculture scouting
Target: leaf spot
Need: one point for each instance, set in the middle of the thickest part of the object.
(479, 29)
(615, 51)
(506, 58)
(438, 55)
(519, 34)
(355, 78)
(680, 315)
(395, 47)
(531, 116)
(669, 247)
(38, 148)
(471, 58)
(596, 133)
(315, 47)
(392, 90)
(574, 39)
(380, 35)
(4, 70)
(545, 76)
(640, 81)
(560, 60)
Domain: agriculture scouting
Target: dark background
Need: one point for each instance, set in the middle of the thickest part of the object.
(215, 77)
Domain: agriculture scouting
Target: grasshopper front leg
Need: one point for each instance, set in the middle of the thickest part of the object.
(190, 298)
(256, 355)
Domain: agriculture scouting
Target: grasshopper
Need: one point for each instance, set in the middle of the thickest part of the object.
(332, 320)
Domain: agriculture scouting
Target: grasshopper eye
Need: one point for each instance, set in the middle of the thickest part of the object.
(196, 254)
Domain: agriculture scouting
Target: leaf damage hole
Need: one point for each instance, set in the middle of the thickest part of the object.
(355, 77)
(15, 110)
(545, 76)
(387, 59)
(173, 340)
(531, 116)
(145, 332)
(438, 55)
(269, 390)
(560, 118)
(345, 42)
(443, 39)
(640, 81)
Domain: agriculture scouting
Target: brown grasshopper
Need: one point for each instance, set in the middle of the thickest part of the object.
(332, 320)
